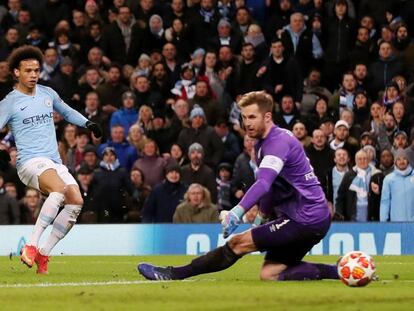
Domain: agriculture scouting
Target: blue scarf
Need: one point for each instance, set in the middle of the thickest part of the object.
(405, 172)
(207, 15)
(109, 166)
(346, 100)
(360, 184)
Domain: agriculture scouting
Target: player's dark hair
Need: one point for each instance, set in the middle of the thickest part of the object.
(25, 52)
(261, 98)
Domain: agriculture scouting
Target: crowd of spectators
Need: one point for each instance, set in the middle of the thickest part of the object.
(163, 78)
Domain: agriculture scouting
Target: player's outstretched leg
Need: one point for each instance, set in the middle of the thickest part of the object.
(216, 260)
(47, 214)
(309, 271)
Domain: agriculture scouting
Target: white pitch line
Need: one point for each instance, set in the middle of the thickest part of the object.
(110, 283)
(79, 284)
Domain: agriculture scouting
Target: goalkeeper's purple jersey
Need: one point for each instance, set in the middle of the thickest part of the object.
(285, 181)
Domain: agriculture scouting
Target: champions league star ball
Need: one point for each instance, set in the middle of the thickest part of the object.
(356, 269)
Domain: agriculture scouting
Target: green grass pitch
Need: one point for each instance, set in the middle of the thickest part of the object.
(112, 283)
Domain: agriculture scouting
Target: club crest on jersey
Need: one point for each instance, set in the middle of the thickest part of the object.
(48, 102)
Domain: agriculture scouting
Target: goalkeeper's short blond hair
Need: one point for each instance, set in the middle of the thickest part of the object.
(260, 98)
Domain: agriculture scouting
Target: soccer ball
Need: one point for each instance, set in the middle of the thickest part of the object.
(356, 268)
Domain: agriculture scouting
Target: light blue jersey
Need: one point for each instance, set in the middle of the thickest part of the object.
(30, 118)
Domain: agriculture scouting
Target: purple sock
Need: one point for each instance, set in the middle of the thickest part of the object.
(182, 272)
(301, 272)
(309, 271)
(327, 271)
(216, 260)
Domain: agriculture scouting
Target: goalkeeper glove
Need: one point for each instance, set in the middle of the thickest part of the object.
(95, 128)
(230, 220)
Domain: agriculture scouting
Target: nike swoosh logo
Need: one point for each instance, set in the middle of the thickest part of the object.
(23, 108)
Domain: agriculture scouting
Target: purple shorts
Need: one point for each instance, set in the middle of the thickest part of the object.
(287, 241)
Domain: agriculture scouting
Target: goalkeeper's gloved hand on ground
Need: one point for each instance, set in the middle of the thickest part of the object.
(4, 158)
(95, 128)
(230, 220)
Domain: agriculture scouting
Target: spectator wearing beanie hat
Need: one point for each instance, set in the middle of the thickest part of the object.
(205, 98)
(198, 172)
(398, 191)
(165, 197)
(155, 33)
(197, 59)
(225, 36)
(90, 158)
(197, 111)
(367, 138)
(361, 107)
(126, 153)
(205, 135)
(391, 94)
(127, 114)
(400, 141)
(185, 88)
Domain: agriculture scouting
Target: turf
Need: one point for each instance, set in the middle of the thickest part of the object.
(112, 283)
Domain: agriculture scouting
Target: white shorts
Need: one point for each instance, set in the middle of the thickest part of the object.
(31, 170)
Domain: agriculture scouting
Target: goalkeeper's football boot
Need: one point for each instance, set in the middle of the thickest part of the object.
(41, 262)
(155, 273)
(28, 255)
